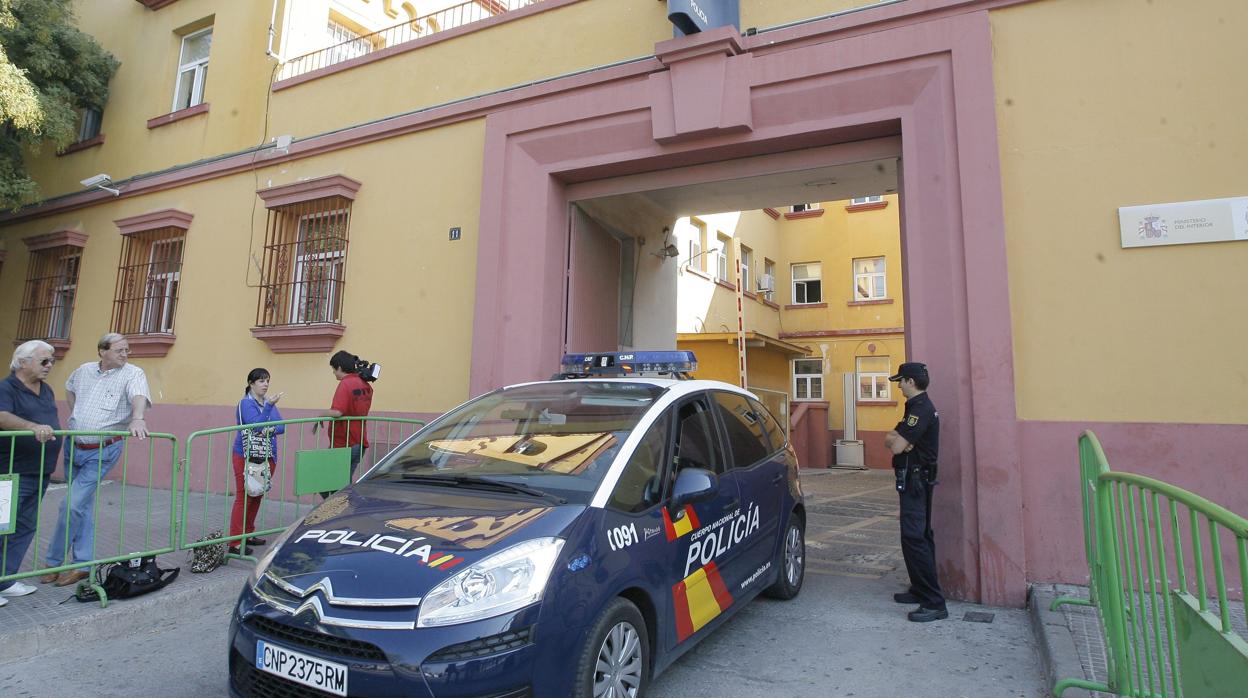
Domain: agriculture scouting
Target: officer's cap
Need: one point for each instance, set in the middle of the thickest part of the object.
(910, 370)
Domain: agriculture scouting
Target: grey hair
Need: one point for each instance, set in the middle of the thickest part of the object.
(27, 351)
(106, 342)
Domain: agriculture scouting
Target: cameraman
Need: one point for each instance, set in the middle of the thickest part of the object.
(352, 398)
(914, 444)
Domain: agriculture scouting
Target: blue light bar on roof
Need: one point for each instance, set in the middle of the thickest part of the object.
(619, 363)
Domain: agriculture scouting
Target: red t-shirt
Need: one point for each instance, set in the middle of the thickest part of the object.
(353, 398)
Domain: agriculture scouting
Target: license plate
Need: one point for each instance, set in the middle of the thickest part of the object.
(301, 668)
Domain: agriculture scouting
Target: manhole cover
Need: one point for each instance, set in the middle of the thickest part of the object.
(978, 617)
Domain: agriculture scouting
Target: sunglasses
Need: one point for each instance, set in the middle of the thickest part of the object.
(46, 362)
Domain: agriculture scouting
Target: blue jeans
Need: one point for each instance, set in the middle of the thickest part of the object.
(89, 467)
(30, 489)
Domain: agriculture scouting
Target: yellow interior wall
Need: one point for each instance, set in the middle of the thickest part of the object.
(1140, 105)
(766, 367)
(839, 356)
(397, 266)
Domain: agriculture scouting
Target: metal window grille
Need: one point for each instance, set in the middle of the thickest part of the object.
(304, 266)
(51, 286)
(352, 45)
(148, 279)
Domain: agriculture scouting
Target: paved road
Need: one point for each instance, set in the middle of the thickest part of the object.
(842, 636)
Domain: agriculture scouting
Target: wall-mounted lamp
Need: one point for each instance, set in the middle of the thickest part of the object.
(101, 181)
(668, 250)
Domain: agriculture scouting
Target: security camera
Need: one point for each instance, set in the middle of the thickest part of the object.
(101, 181)
(97, 180)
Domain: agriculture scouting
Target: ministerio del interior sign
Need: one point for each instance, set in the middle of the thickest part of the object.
(1184, 223)
(693, 16)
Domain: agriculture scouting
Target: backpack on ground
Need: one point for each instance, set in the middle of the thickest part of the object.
(124, 580)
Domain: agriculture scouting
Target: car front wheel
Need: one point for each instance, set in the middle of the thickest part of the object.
(615, 662)
(792, 560)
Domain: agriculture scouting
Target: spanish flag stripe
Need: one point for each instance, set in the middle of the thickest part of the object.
(444, 558)
(684, 626)
(692, 517)
(667, 526)
(703, 606)
(718, 588)
(452, 563)
(682, 525)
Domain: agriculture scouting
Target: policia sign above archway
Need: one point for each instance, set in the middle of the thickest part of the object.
(693, 16)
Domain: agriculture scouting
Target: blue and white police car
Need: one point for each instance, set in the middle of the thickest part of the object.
(570, 537)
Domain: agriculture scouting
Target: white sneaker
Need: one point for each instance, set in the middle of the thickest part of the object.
(19, 589)
(4, 601)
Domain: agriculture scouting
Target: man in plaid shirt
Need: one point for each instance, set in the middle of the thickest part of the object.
(108, 395)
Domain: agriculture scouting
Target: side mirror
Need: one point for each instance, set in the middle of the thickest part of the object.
(694, 485)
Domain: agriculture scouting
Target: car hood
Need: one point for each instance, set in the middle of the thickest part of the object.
(399, 540)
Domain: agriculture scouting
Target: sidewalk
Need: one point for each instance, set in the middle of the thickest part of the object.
(842, 636)
(51, 618)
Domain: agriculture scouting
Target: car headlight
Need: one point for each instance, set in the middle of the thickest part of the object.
(505, 581)
(263, 562)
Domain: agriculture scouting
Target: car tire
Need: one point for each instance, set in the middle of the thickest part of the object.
(615, 661)
(791, 561)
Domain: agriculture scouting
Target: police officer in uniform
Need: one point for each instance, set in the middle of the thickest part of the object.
(914, 444)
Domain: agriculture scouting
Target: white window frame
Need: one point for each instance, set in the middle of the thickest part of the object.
(747, 260)
(800, 208)
(198, 69)
(805, 279)
(809, 381)
(769, 270)
(695, 249)
(335, 260)
(64, 294)
(875, 282)
(863, 200)
(161, 293)
(878, 381)
(721, 259)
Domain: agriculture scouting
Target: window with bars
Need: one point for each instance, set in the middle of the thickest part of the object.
(304, 266)
(869, 279)
(345, 43)
(51, 289)
(148, 279)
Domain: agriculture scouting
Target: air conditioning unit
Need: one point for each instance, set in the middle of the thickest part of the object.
(766, 283)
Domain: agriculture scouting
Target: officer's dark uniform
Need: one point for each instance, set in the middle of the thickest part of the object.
(921, 428)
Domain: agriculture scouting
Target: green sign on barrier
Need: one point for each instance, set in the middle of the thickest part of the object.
(322, 470)
(8, 505)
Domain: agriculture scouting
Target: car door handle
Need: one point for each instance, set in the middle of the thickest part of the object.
(776, 480)
(732, 505)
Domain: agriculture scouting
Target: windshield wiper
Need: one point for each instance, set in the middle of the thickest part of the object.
(480, 483)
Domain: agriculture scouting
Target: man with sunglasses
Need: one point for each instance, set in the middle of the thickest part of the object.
(105, 395)
(27, 403)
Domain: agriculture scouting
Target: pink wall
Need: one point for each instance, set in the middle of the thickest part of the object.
(809, 434)
(824, 85)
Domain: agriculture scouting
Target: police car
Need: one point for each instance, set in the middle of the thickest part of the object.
(570, 537)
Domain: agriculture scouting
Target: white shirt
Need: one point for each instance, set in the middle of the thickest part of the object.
(102, 398)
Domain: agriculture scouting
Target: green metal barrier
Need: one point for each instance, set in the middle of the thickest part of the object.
(1169, 627)
(1091, 464)
(148, 532)
(209, 488)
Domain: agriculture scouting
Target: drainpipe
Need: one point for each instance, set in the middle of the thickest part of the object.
(272, 33)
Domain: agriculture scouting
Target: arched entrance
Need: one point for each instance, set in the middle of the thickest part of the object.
(808, 96)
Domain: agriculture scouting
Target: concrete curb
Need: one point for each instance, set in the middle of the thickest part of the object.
(1057, 644)
(159, 610)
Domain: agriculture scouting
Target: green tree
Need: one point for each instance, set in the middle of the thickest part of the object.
(49, 71)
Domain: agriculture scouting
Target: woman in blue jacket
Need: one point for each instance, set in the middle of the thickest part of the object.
(256, 406)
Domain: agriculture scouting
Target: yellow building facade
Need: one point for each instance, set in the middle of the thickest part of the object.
(408, 201)
(820, 302)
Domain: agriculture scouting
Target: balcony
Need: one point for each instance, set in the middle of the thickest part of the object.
(386, 41)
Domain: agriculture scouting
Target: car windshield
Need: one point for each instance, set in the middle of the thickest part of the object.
(554, 439)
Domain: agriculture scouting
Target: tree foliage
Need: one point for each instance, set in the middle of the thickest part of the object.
(49, 71)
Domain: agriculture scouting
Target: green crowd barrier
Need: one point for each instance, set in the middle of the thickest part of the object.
(146, 511)
(1164, 564)
(306, 466)
(1092, 464)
